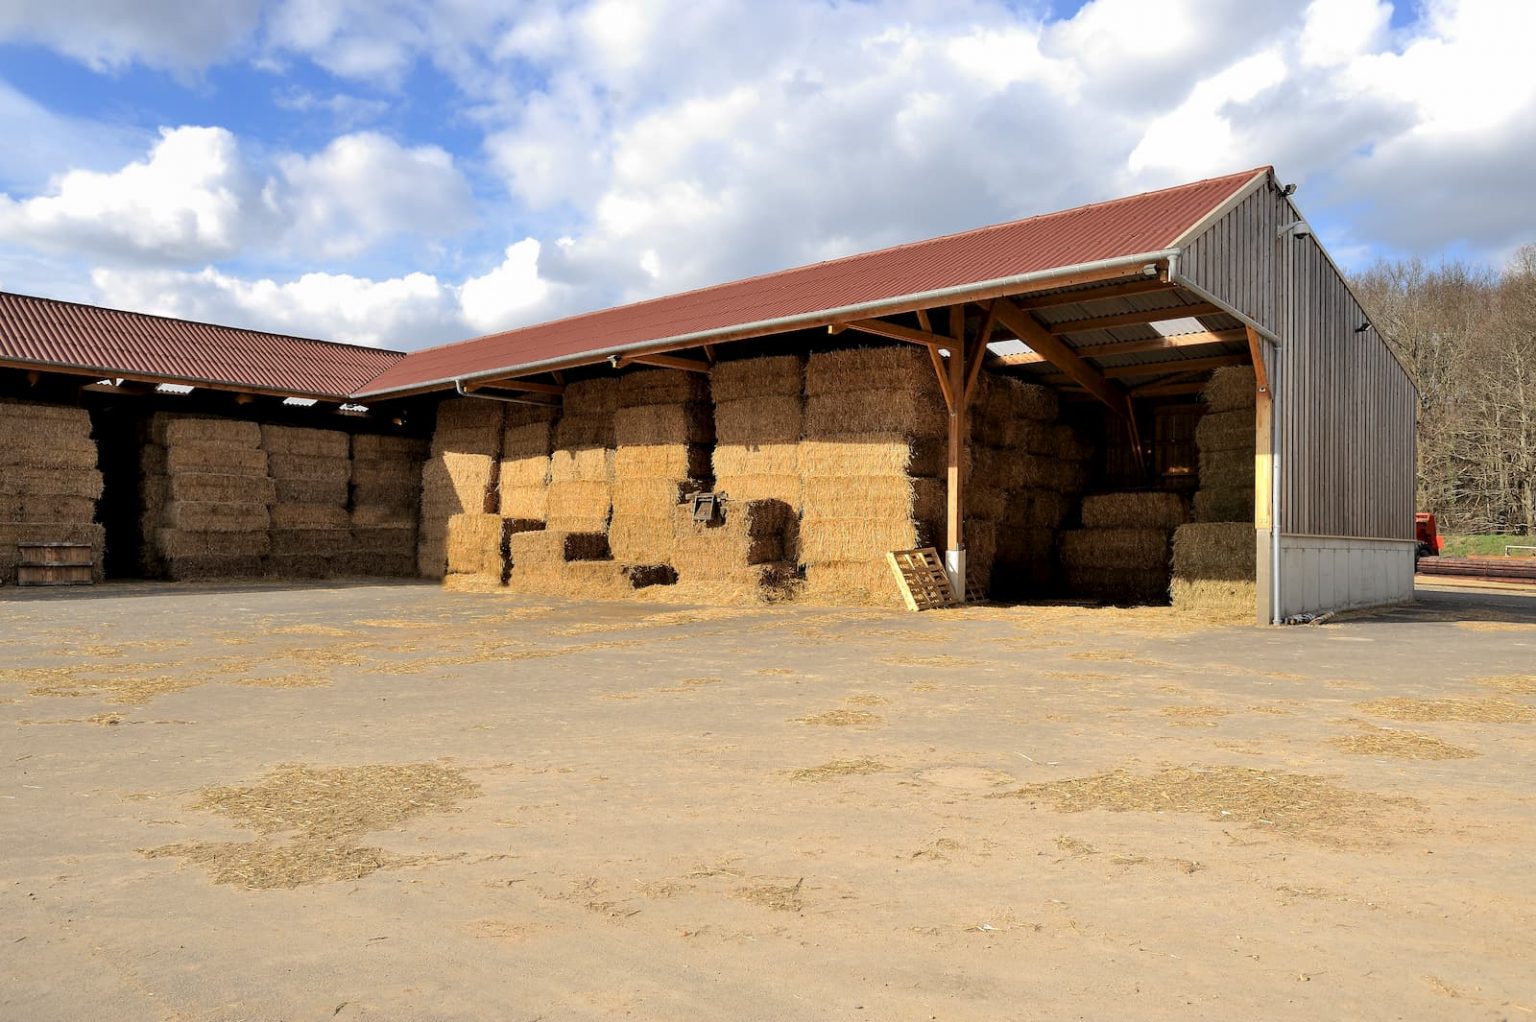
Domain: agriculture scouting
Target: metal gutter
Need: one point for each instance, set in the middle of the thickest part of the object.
(743, 331)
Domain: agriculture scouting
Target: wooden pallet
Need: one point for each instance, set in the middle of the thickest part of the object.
(923, 581)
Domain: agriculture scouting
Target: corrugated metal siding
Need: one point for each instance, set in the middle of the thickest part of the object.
(45, 332)
(1345, 407)
(1120, 228)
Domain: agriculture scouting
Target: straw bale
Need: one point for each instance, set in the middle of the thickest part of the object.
(384, 539)
(174, 430)
(475, 545)
(213, 568)
(873, 497)
(1045, 509)
(213, 486)
(642, 539)
(1230, 387)
(763, 419)
(516, 473)
(598, 396)
(576, 431)
(311, 491)
(997, 467)
(405, 495)
(756, 460)
(980, 549)
(852, 583)
(1215, 600)
(65, 417)
(1006, 399)
(1111, 549)
(662, 461)
(207, 516)
(906, 411)
(1226, 431)
(174, 543)
(784, 488)
(372, 447)
(305, 466)
(45, 508)
(329, 443)
(1034, 472)
(581, 464)
(1145, 510)
(375, 564)
(987, 503)
(552, 546)
(525, 501)
(456, 481)
(1227, 470)
(887, 368)
(383, 516)
(1229, 505)
(579, 501)
(580, 580)
(46, 482)
(871, 454)
(1215, 551)
(432, 550)
(752, 532)
(649, 496)
(777, 375)
(521, 414)
(310, 516)
(402, 474)
(470, 414)
(828, 540)
(1147, 585)
(204, 457)
(48, 448)
(297, 565)
(640, 387)
(311, 541)
(692, 422)
(13, 534)
(531, 439)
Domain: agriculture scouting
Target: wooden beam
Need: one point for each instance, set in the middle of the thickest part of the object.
(893, 331)
(1159, 389)
(922, 321)
(687, 365)
(553, 389)
(943, 373)
(1188, 365)
(1256, 352)
(1151, 285)
(1138, 318)
(1196, 339)
(709, 354)
(1056, 351)
(954, 531)
(977, 356)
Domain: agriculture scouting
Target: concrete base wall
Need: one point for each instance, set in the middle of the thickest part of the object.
(1323, 573)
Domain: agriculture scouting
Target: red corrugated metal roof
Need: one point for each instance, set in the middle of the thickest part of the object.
(1121, 228)
(50, 333)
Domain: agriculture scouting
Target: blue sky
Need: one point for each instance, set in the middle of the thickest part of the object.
(404, 173)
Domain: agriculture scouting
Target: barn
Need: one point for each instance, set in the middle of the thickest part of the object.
(1169, 397)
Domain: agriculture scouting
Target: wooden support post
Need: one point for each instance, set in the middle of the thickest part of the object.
(954, 507)
(1263, 484)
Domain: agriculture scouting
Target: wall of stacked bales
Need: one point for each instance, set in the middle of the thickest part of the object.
(1121, 553)
(1215, 557)
(49, 481)
(385, 494)
(311, 471)
(458, 476)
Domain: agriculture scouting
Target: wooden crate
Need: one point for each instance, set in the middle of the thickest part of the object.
(923, 581)
(55, 564)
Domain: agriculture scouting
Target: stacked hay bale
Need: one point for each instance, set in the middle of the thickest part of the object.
(477, 547)
(580, 495)
(49, 483)
(577, 564)
(385, 495)
(207, 495)
(744, 556)
(1225, 439)
(459, 474)
(523, 476)
(662, 433)
(311, 472)
(759, 413)
(1026, 469)
(871, 461)
(1215, 567)
(1121, 553)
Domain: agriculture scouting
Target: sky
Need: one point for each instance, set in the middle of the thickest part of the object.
(407, 173)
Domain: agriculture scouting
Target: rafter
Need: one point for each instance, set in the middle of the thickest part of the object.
(531, 386)
(1256, 352)
(1056, 351)
(1138, 318)
(1196, 339)
(892, 331)
(687, 365)
(1188, 365)
(1132, 287)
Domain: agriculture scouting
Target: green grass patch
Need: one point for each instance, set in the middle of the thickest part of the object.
(1485, 545)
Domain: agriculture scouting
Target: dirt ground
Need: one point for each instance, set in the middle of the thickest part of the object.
(393, 802)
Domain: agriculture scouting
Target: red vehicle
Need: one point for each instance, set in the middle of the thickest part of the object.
(1427, 535)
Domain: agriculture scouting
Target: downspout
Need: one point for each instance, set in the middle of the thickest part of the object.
(1275, 614)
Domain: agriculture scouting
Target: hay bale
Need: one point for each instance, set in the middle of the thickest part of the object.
(890, 367)
(662, 461)
(641, 387)
(532, 439)
(1146, 510)
(1118, 585)
(1230, 387)
(577, 501)
(204, 457)
(647, 496)
(476, 545)
(205, 516)
(327, 443)
(764, 419)
(581, 464)
(907, 412)
(870, 454)
(779, 375)
(216, 487)
(297, 565)
(373, 447)
(175, 543)
(172, 430)
(309, 516)
(383, 516)
(47, 448)
(213, 568)
(455, 483)
(525, 502)
(691, 423)
(641, 538)
(15, 534)
(873, 497)
(985, 503)
(384, 538)
(1215, 552)
(1227, 470)
(1226, 431)
(852, 583)
(45, 508)
(1235, 505)
(314, 542)
(749, 533)
(550, 546)
(523, 472)
(840, 540)
(65, 417)
(313, 491)
(1211, 600)
(305, 466)
(48, 482)
(1111, 549)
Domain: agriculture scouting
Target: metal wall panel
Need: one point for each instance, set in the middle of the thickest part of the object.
(1345, 408)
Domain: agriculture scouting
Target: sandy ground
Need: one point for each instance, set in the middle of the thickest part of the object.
(505, 808)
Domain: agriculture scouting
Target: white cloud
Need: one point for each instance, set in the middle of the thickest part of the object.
(507, 294)
(180, 35)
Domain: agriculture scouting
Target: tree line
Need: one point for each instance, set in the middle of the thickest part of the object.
(1467, 334)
